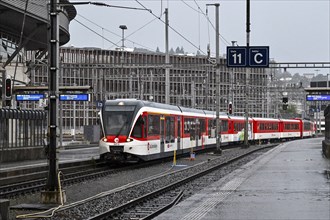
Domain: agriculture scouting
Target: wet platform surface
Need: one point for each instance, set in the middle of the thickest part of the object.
(288, 182)
(74, 154)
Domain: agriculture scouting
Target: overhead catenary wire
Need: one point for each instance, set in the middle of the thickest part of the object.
(95, 32)
(208, 19)
(177, 32)
(126, 38)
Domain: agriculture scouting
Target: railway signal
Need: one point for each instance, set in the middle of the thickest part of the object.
(8, 89)
(8, 92)
(230, 108)
(285, 103)
(285, 100)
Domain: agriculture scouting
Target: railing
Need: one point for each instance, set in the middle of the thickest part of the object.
(22, 128)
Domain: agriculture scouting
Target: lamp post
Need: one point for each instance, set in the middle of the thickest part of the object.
(123, 28)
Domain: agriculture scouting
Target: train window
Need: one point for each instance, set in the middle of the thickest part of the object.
(189, 125)
(202, 125)
(291, 126)
(170, 129)
(153, 125)
(238, 126)
(307, 126)
(138, 128)
(224, 125)
(117, 123)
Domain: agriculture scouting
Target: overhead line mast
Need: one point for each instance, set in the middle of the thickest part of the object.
(246, 129)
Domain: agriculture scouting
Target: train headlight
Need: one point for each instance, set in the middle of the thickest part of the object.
(105, 139)
(129, 139)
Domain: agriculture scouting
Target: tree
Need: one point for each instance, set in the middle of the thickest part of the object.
(177, 50)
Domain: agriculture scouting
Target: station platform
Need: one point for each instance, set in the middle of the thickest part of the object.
(289, 182)
(67, 155)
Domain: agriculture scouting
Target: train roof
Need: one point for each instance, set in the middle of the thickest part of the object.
(238, 118)
(191, 110)
(267, 119)
(290, 120)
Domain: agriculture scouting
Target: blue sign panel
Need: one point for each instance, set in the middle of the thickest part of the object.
(321, 97)
(74, 97)
(258, 56)
(29, 97)
(236, 56)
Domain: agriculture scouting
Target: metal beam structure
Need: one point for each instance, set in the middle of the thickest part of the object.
(24, 89)
(304, 65)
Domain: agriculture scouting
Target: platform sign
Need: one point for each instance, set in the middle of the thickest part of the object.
(259, 56)
(253, 56)
(29, 97)
(74, 97)
(236, 56)
(324, 97)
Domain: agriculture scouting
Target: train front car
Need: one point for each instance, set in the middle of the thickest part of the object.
(117, 118)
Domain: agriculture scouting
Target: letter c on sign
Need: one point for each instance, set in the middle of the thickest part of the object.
(256, 60)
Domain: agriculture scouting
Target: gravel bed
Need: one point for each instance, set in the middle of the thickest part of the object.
(90, 188)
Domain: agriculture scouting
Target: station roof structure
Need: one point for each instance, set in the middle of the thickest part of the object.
(318, 90)
(36, 20)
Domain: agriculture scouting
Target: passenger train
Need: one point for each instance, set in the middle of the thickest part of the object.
(135, 130)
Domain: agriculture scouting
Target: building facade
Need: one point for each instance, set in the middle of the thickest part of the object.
(117, 74)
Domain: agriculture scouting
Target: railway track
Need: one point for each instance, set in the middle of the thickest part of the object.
(34, 179)
(149, 197)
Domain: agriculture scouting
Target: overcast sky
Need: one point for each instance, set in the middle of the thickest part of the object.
(295, 30)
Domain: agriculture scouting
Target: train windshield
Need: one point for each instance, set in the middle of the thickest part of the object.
(117, 119)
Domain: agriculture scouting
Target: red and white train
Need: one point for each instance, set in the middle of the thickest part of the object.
(135, 130)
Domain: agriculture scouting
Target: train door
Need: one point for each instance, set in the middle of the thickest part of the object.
(198, 134)
(178, 133)
(162, 138)
(192, 131)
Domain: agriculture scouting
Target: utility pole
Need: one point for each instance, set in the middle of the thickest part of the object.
(217, 81)
(167, 61)
(218, 150)
(232, 79)
(52, 193)
(247, 75)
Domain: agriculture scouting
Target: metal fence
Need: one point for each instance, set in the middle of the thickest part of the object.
(22, 128)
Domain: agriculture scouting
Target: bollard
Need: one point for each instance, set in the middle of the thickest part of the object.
(174, 158)
(4, 209)
(192, 156)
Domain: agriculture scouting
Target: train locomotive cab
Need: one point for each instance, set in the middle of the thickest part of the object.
(117, 119)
